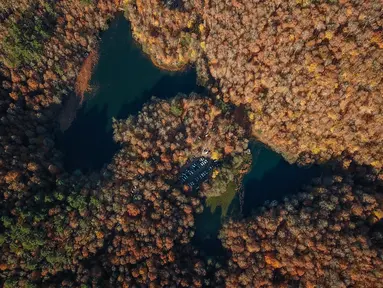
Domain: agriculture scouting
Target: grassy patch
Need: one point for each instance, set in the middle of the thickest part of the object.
(222, 201)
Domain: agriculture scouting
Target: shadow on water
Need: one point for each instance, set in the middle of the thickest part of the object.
(206, 239)
(86, 144)
(124, 80)
(167, 87)
(272, 178)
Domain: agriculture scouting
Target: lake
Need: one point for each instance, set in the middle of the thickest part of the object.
(123, 81)
(270, 178)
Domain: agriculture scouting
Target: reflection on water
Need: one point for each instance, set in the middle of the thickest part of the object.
(123, 81)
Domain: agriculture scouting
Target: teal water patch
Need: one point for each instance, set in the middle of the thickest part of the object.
(273, 178)
(270, 178)
(264, 160)
(124, 79)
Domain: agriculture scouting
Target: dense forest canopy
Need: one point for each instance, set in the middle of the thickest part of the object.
(308, 72)
(304, 77)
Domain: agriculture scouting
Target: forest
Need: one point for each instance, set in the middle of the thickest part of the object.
(303, 77)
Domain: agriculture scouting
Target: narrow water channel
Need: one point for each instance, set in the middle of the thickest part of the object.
(270, 178)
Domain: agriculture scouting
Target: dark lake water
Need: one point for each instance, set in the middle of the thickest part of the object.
(270, 178)
(123, 81)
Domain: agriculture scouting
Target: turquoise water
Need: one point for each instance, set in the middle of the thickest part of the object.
(123, 81)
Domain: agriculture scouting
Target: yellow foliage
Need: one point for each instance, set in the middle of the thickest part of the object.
(190, 23)
(182, 159)
(215, 173)
(376, 164)
(99, 235)
(201, 28)
(312, 67)
(270, 260)
(304, 3)
(215, 155)
(377, 39)
(193, 54)
(378, 213)
(315, 150)
(251, 116)
(332, 115)
(203, 45)
(329, 35)
(214, 112)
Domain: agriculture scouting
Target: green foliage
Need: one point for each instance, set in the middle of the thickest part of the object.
(30, 285)
(10, 283)
(176, 110)
(23, 235)
(7, 222)
(59, 196)
(58, 70)
(186, 39)
(54, 258)
(2, 239)
(48, 199)
(37, 217)
(31, 267)
(87, 2)
(95, 202)
(77, 202)
(223, 106)
(59, 226)
(25, 39)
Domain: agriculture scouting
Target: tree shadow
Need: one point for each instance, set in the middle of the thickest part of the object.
(282, 180)
(206, 239)
(167, 87)
(87, 145)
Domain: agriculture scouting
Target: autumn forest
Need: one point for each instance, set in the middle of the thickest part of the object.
(304, 78)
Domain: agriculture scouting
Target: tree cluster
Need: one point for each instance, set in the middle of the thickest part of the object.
(44, 43)
(308, 72)
(321, 237)
(169, 36)
(166, 134)
(130, 225)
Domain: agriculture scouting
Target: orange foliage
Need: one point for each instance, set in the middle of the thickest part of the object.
(83, 78)
(3, 267)
(133, 210)
(270, 260)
